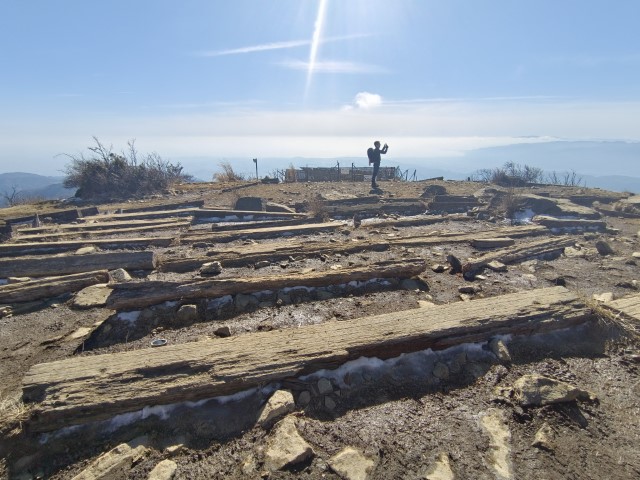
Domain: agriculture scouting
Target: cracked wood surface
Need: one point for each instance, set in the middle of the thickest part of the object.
(89, 388)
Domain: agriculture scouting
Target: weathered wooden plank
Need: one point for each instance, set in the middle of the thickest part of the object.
(39, 248)
(82, 389)
(554, 223)
(98, 233)
(418, 221)
(628, 306)
(134, 295)
(492, 242)
(50, 286)
(271, 232)
(100, 225)
(275, 251)
(110, 217)
(40, 266)
(165, 207)
(520, 252)
(232, 226)
(217, 213)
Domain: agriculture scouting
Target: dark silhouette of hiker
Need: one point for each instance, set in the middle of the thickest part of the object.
(374, 157)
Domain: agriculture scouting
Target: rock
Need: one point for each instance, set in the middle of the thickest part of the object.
(223, 331)
(441, 470)
(433, 190)
(262, 264)
(604, 297)
(113, 464)
(286, 447)
(324, 386)
(471, 289)
(350, 464)
(324, 295)
(537, 390)
(92, 296)
(495, 426)
(500, 350)
(425, 304)
(603, 248)
(211, 268)
(165, 470)
(465, 297)
(572, 252)
(544, 437)
(304, 398)
(86, 250)
(277, 207)
(120, 275)
(199, 245)
(441, 371)
(187, 314)
(244, 301)
(278, 405)
(329, 403)
(252, 204)
(496, 266)
(438, 268)
(456, 265)
(635, 254)
(175, 449)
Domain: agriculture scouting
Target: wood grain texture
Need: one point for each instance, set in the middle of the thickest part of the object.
(50, 286)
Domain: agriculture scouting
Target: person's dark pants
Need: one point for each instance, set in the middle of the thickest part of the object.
(376, 167)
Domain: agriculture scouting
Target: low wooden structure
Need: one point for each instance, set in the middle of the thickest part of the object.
(49, 287)
(83, 389)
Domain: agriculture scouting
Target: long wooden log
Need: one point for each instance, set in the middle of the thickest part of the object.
(82, 389)
(217, 213)
(130, 296)
(271, 232)
(232, 226)
(42, 266)
(520, 252)
(80, 227)
(99, 233)
(50, 286)
(554, 223)
(39, 248)
(275, 251)
(110, 217)
(165, 207)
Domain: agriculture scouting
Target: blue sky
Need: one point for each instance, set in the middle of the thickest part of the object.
(312, 78)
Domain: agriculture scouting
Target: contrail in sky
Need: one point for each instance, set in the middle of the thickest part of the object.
(315, 42)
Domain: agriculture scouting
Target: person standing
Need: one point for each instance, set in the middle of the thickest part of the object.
(374, 158)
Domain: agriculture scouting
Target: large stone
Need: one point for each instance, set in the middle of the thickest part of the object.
(286, 447)
(350, 464)
(441, 469)
(165, 470)
(456, 265)
(187, 314)
(603, 248)
(211, 268)
(537, 390)
(253, 204)
(114, 464)
(544, 437)
(245, 301)
(441, 371)
(92, 296)
(496, 428)
(278, 405)
(86, 250)
(324, 386)
(497, 266)
(500, 350)
(572, 252)
(120, 275)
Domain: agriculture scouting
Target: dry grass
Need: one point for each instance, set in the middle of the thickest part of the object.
(510, 204)
(12, 413)
(318, 208)
(626, 326)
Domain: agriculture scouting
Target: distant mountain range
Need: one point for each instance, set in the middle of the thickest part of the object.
(607, 165)
(32, 186)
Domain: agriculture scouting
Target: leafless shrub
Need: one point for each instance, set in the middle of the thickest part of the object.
(108, 175)
(510, 204)
(510, 175)
(227, 174)
(318, 208)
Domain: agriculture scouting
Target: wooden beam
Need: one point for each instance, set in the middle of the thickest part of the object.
(97, 233)
(165, 207)
(211, 213)
(100, 225)
(135, 295)
(39, 248)
(520, 252)
(271, 232)
(275, 251)
(88, 388)
(42, 266)
(50, 286)
(554, 223)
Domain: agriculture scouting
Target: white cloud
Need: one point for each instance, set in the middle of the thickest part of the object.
(366, 100)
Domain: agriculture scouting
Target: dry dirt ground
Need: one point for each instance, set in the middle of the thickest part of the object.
(397, 415)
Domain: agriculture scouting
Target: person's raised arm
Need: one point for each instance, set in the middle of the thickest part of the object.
(385, 148)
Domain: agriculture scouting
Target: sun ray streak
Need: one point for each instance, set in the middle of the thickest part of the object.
(322, 7)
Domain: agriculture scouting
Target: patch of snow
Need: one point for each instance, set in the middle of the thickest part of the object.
(218, 302)
(129, 317)
(524, 217)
